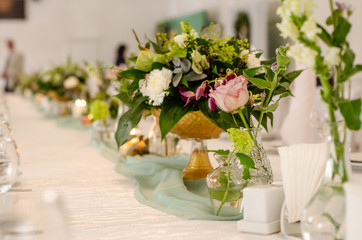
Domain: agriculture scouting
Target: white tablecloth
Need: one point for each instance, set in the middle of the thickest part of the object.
(99, 201)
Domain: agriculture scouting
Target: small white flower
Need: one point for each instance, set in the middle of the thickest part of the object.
(199, 62)
(309, 7)
(310, 28)
(180, 39)
(71, 82)
(332, 57)
(288, 29)
(252, 61)
(293, 6)
(303, 55)
(155, 84)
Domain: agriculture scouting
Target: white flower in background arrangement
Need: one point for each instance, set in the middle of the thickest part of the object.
(332, 57)
(288, 29)
(252, 61)
(310, 28)
(303, 55)
(71, 82)
(155, 84)
(180, 39)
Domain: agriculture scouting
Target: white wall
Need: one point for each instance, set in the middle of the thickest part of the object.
(90, 28)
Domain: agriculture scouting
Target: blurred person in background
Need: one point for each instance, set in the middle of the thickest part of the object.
(120, 59)
(13, 67)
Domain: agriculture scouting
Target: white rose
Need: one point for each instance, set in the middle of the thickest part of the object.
(155, 84)
(303, 55)
(180, 39)
(71, 82)
(253, 61)
(332, 57)
(310, 28)
(288, 29)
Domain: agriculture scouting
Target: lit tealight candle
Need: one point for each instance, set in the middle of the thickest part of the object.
(79, 108)
(135, 132)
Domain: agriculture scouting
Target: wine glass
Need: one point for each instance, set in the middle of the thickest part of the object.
(9, 163)
(30, 216)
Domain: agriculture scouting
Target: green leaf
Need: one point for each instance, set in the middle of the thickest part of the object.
(133, 74)
(283, 61)
(341, 31)
(269, 74)
(293, 75)
(245, 160)
(351, 111)
(129, 120)
(260, 83)
(219, 193)
(172, 111)
(177, 52)
(157, 65)
(220, 151)
(222, 120)
(325, 36)
(251, 72)
(146, 59)
(184, 81)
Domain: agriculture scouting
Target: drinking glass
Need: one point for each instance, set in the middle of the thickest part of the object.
(9, 163)
(32, 216)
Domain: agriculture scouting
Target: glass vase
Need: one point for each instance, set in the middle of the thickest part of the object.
(199, 164)
(166, 147)
(262, 174)
(324, 216)
(225, 185)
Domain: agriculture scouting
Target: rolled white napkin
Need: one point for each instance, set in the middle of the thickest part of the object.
(302, 168)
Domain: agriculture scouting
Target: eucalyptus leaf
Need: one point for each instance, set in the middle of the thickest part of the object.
(192, 76)
(177, 78)
(177, 70)
(176, 61)
(185, 65)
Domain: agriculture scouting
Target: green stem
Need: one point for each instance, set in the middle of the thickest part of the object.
(333, 18)
(247, 126)
(268, 97)
(338, 144)
(227, 185)
(105, 127)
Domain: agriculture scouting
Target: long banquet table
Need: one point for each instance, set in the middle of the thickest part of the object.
(99, 201)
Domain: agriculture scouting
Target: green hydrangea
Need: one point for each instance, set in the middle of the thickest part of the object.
(99, 109)
(242, 142)
(226, 52)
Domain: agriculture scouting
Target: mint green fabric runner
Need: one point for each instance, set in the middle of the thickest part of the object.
(159, 184)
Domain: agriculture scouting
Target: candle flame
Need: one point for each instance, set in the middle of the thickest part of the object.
(80, 103)
(133, 132)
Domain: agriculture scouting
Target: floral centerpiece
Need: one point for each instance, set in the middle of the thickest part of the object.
(326, 51)
(220, 77)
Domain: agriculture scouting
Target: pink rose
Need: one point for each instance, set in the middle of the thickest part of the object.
(231, 96)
